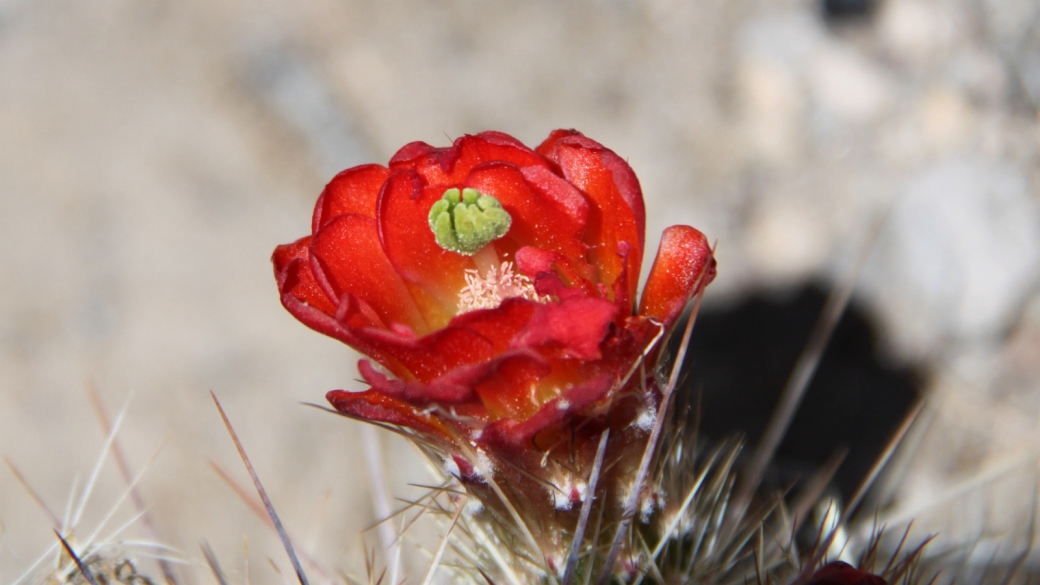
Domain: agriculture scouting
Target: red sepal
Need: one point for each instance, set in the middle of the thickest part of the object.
(684, 261)
(375, 406)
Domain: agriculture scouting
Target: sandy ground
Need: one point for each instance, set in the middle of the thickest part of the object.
(154, 153)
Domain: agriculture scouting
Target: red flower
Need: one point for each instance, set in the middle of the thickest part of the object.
(522, 351)
(839, 573)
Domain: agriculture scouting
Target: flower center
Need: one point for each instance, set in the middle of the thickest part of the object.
(487, 291)
(466, 221)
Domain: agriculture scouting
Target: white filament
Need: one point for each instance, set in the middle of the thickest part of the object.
(487, 291)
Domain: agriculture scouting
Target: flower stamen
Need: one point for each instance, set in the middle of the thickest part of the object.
(487, 291)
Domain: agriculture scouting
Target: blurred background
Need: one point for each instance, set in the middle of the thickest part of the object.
(152, 154)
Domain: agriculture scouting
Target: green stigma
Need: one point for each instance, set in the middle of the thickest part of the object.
(465, 222)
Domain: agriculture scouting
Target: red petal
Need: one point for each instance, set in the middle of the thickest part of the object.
(537, 220)
(683, 260)
(623, 178)
(432, 356)
(552, 272)
(409, 154)
(454, 390)
(572, 328)
(342, 330)
(565, 195)
(350, 259)
(572, 401)
(293, 273)
(375, 406)
(534, 261)
(449, 166)
(501, 324)
(404, 228)
(510, 383)
(354, 190)
(617, 213)
(621, 288)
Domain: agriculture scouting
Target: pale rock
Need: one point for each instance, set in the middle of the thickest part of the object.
(788, 39)
(946, 120)
(849, 85)
(916, 31)
(790, 70)
(1008, 21)
(773, 106)
(772, 53)
(785, 241)
(1013, 29)
(958, 255)
(301, 96)
(979, 73)
(899, 141)
(367, 75)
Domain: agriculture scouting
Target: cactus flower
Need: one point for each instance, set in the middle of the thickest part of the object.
(494, 290)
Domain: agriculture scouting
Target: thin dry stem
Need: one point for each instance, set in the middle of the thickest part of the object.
(123, 497)
(91, 482)
(55, 522)
(444, 541)
(263, 496)
(890, 448)
(380, 498)
(815, 487)
(794, 390)
(124, 470)
(214, 564)
(83, 568)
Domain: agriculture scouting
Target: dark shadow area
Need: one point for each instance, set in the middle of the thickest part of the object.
(843, 11)
(741, 356)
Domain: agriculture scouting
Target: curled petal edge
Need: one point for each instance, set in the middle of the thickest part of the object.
(458, 386)
(375, 406)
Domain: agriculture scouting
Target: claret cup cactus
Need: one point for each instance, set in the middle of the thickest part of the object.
(494, 290)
